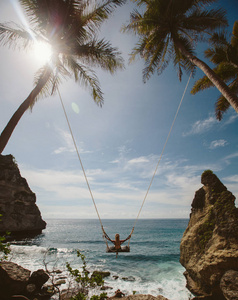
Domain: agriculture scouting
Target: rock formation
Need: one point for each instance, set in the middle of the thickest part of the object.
(209, 247)
(20, 214)
(16, 280)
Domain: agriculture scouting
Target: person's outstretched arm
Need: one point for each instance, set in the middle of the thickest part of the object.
(107, 237)
(122, 241)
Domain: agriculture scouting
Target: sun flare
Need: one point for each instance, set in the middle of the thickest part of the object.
(42, 52)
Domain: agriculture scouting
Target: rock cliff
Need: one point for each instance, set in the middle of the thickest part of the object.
(209, 247)
(20, 214)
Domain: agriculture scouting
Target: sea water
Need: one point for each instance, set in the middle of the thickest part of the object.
(151, 267)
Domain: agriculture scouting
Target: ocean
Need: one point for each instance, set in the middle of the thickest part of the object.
(151, 267)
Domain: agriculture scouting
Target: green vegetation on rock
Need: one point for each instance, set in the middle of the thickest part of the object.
(206, 230)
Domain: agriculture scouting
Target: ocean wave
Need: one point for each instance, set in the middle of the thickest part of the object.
(86, 242)
(148, 257)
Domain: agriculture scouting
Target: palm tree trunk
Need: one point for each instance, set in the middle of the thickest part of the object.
(214, 78)
(8, 130)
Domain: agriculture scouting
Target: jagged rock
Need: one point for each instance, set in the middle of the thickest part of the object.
(102, 274)
(20, 214)
(13, 279)
(130, 278)
(38, 278)
(106, 287)
(209, 246)
(229, 285)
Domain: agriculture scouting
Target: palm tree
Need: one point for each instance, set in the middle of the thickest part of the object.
(170, 30)
(71, 28)
(225, 56)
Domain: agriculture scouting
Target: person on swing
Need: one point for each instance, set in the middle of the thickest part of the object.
(117, 242)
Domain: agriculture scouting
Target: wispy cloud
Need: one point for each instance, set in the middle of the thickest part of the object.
(231, 119)
(208, 124)
(217, 144)
(201, 126)
(230, 157)
(67, 141)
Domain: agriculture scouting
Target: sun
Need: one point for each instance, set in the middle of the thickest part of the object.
(42, 52)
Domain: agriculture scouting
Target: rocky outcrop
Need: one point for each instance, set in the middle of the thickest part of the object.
(229, 285)
(16, 280)
(20, 214)
(209, 247)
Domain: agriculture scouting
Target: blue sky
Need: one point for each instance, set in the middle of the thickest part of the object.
(120, 143)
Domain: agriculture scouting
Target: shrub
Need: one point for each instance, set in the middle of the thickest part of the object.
(85, 281)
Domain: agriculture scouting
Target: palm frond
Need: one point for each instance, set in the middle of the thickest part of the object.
(47, 88)
(201, 23)
(136, 24)
(221, 107)
(201, 84)
(218, 39)
(15, 38)
(138, 49)
(100, 53)
(226, 71)
(85, 77)
(179, 58)
(95, 13)
(157, 59)
(234, 39)
(216, 55)
(181, 63)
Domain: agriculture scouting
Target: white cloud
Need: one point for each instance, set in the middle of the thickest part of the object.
(139, 160)
(116, 161)
(201, 126)
(217, 144)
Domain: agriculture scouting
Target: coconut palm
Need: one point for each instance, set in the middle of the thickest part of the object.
(170, 30)
(71, 28)
(225, 56)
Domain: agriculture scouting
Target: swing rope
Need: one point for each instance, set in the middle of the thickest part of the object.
(152, 179)
(76, 148)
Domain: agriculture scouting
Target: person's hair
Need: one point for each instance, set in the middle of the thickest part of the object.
(117, 237)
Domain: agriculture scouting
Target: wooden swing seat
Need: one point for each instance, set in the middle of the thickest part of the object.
(113, 250)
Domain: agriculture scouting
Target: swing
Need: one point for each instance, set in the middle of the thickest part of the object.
(112, 249)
